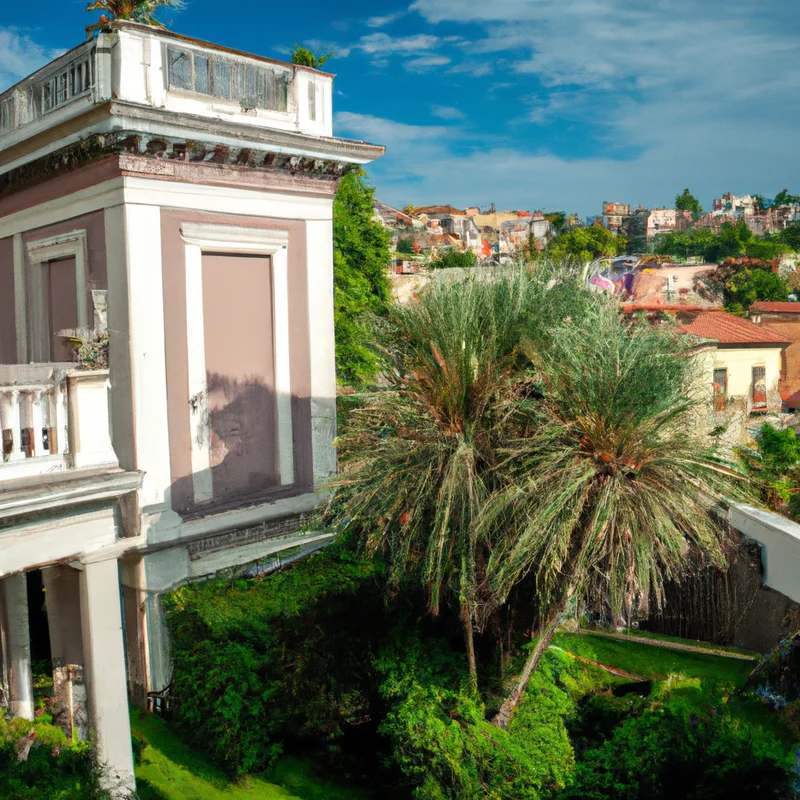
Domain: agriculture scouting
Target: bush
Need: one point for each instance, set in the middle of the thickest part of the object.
(445, 746)
(258, 661)
(673, 751)
(54, 769)
(450, 258)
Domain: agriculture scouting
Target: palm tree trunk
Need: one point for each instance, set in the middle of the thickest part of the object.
(469, 642)
(503, 717)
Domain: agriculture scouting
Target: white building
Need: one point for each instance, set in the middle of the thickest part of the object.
(183, 192)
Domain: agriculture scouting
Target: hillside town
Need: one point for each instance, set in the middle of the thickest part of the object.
(306, 496)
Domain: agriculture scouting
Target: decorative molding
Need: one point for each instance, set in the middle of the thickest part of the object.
(233, 239)
(203, 237)
(40, 253)
(165, 148)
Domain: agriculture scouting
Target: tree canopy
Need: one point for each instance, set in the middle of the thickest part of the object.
(450, 258)
(361, 287)
(586, 244)
(783, 198)
(688, 202)
(142, 11)
(307, 58)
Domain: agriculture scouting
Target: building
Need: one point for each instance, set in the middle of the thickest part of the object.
(179, 195)
(785, 319)
(746, 363)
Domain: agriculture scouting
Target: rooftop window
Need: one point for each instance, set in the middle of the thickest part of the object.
(254, 86)
(68, 83)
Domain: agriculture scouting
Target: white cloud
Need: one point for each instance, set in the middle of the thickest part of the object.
(383, 21)
(447, 112)
(384, 44)
(20, 56)
(426, 63)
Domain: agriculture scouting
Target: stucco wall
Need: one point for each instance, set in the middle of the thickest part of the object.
(740, 363)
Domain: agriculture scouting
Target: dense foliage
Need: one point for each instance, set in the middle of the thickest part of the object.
(734, 240)
(361, 287)
(688, 202)
(450, 258)
(774, 464)
(740, 282)
(586, 244)
(405, 245)
(690, 747)
(253, 662)
(55, 768)
(307, 58)
(141, 11)
(495, 455)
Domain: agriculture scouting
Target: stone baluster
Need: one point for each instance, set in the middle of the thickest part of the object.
(12, 422)
(37, 424)
(53, 438)
(26, 422)
(61, 415)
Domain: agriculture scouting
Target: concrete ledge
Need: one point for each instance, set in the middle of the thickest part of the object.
(780, 541)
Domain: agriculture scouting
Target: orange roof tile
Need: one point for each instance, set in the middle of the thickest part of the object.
(728, 329)
(763, 305)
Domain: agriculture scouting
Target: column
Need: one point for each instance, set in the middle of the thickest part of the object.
(18, 646)
(63, 603)
(104, 661)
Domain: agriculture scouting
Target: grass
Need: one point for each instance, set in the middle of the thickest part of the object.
(654, 662)
(169, 770)
(657, 664)
(663, 637)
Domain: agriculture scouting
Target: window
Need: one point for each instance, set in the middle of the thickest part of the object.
(7, 119)
(71, 82)
(227, 78)
(759, 389)
(312, 101)
(720, 388)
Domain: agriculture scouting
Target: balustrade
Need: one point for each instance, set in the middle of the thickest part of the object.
(53, 417)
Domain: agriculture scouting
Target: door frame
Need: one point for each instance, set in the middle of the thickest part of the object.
(40, 253)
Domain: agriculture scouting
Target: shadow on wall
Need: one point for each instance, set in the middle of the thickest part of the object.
(240, 435)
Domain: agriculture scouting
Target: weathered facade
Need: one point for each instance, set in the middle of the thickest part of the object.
(180, 195)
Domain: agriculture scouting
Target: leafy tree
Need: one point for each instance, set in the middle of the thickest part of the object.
(416, 457)
(765, 249)
(610, 482)
(694, 242)
(558, 219)
(775, 464)
(730, 242)
(783, 198)
(142, 11)
(688, 202)
(307, 58)
(742, 281)
(586, 244)
(790, 235)
(405, 245)
(450, 258)
(361, 288)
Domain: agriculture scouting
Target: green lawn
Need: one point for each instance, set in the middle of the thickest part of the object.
(655, 662)
(169, 770)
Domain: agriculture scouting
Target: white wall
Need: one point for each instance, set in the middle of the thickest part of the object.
(780, 538)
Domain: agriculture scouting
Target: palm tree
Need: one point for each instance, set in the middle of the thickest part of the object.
(417, 456)
(610, 493)
(134, 10)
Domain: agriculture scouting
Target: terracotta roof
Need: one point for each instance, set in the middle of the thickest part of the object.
(728, 329)
(789, 308)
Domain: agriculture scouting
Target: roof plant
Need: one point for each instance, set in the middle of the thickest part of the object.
(142, 11)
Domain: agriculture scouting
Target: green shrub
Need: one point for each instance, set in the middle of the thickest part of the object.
(672, 751)
(54, 769)
(258, 661)
(443, 743)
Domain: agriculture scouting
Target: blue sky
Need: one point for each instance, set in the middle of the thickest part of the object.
(553, 104)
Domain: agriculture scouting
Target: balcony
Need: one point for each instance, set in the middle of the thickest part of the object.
(129, 63)
(54, 418)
